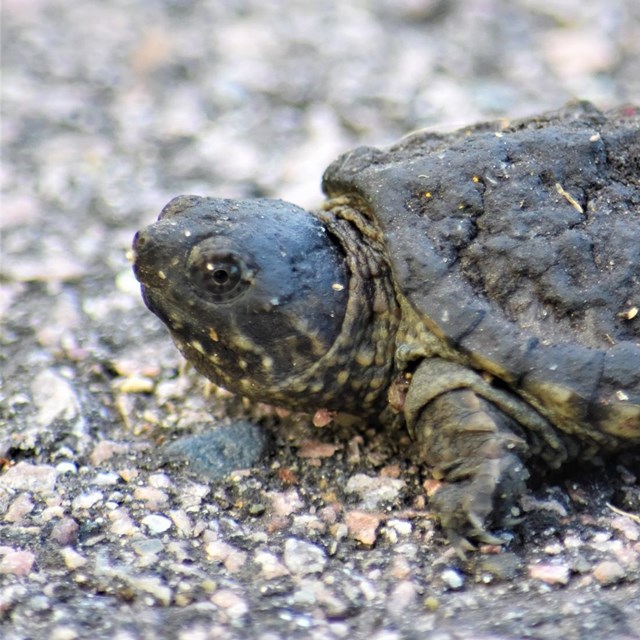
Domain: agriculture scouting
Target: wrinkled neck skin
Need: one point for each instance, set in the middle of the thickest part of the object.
(359, 368)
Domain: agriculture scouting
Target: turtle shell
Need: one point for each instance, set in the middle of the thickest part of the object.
(518, 243)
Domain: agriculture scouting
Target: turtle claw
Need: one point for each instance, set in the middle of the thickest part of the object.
(460, 544)
(471, 447)
(467, 509)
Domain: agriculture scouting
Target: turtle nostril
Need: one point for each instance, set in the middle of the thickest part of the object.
(140, 240)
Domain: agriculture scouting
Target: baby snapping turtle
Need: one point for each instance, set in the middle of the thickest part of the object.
(483, 286)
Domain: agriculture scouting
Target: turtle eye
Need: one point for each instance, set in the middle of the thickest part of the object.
(219, 276)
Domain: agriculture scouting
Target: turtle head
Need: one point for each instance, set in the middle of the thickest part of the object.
(254, 292)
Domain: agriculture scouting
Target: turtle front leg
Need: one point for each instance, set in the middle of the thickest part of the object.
(470, 444)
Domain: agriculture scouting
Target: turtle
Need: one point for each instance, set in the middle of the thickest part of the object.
(480, 287)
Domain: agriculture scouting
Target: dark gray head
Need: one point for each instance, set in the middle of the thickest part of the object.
(256, 293)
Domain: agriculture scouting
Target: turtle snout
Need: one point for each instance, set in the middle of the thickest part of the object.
(147, 259)
(141, 243)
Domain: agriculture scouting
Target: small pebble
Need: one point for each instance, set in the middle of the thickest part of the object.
(182, 522)
(629, 529)
(403, 527)
(609, 572)
(362, 526)
(373, 491)
(65, 531)
(316, 449)
(271, 567)
(121, 523)
(54, 397)
(452, 579)
(153, 498)
(148, 547)
(105, 450)
(30, 477)
(550, 573)
(106, 479)
(154, 586)
(66, 467)
(232, 557)
(156, 524)
(218, 550)
(400, 568)
(302, 558)
(64, 633)
(134, 384)
(403, 595)
(218, 452)
(160, 481)
(72, 559)
(284, 503)
(554, 549)
(86, 500)
(231, 603)
(18, 563)
(19, 508)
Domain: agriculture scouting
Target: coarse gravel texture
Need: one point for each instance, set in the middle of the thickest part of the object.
(112, 107)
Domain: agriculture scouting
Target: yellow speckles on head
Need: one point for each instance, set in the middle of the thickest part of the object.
(162, 275)
(365, 357)
(243, 364)
(194, 344)
(175, 262)
(267, 363)
(370, 397)
(475, 179)
(316, 387)
(336, 286)
(427, 195)
(381, 358)
(342, 377)
(298, 386)
(376, 383)
(213, 334)
(243, 343)
(176, 322)
(187, 233)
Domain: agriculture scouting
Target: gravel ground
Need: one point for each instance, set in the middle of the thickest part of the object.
(111, 108)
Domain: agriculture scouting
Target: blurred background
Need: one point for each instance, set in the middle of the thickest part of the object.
(113, 106)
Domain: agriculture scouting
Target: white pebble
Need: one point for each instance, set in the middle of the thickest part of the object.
(302, 557)
(156, 524)
(452, 579)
